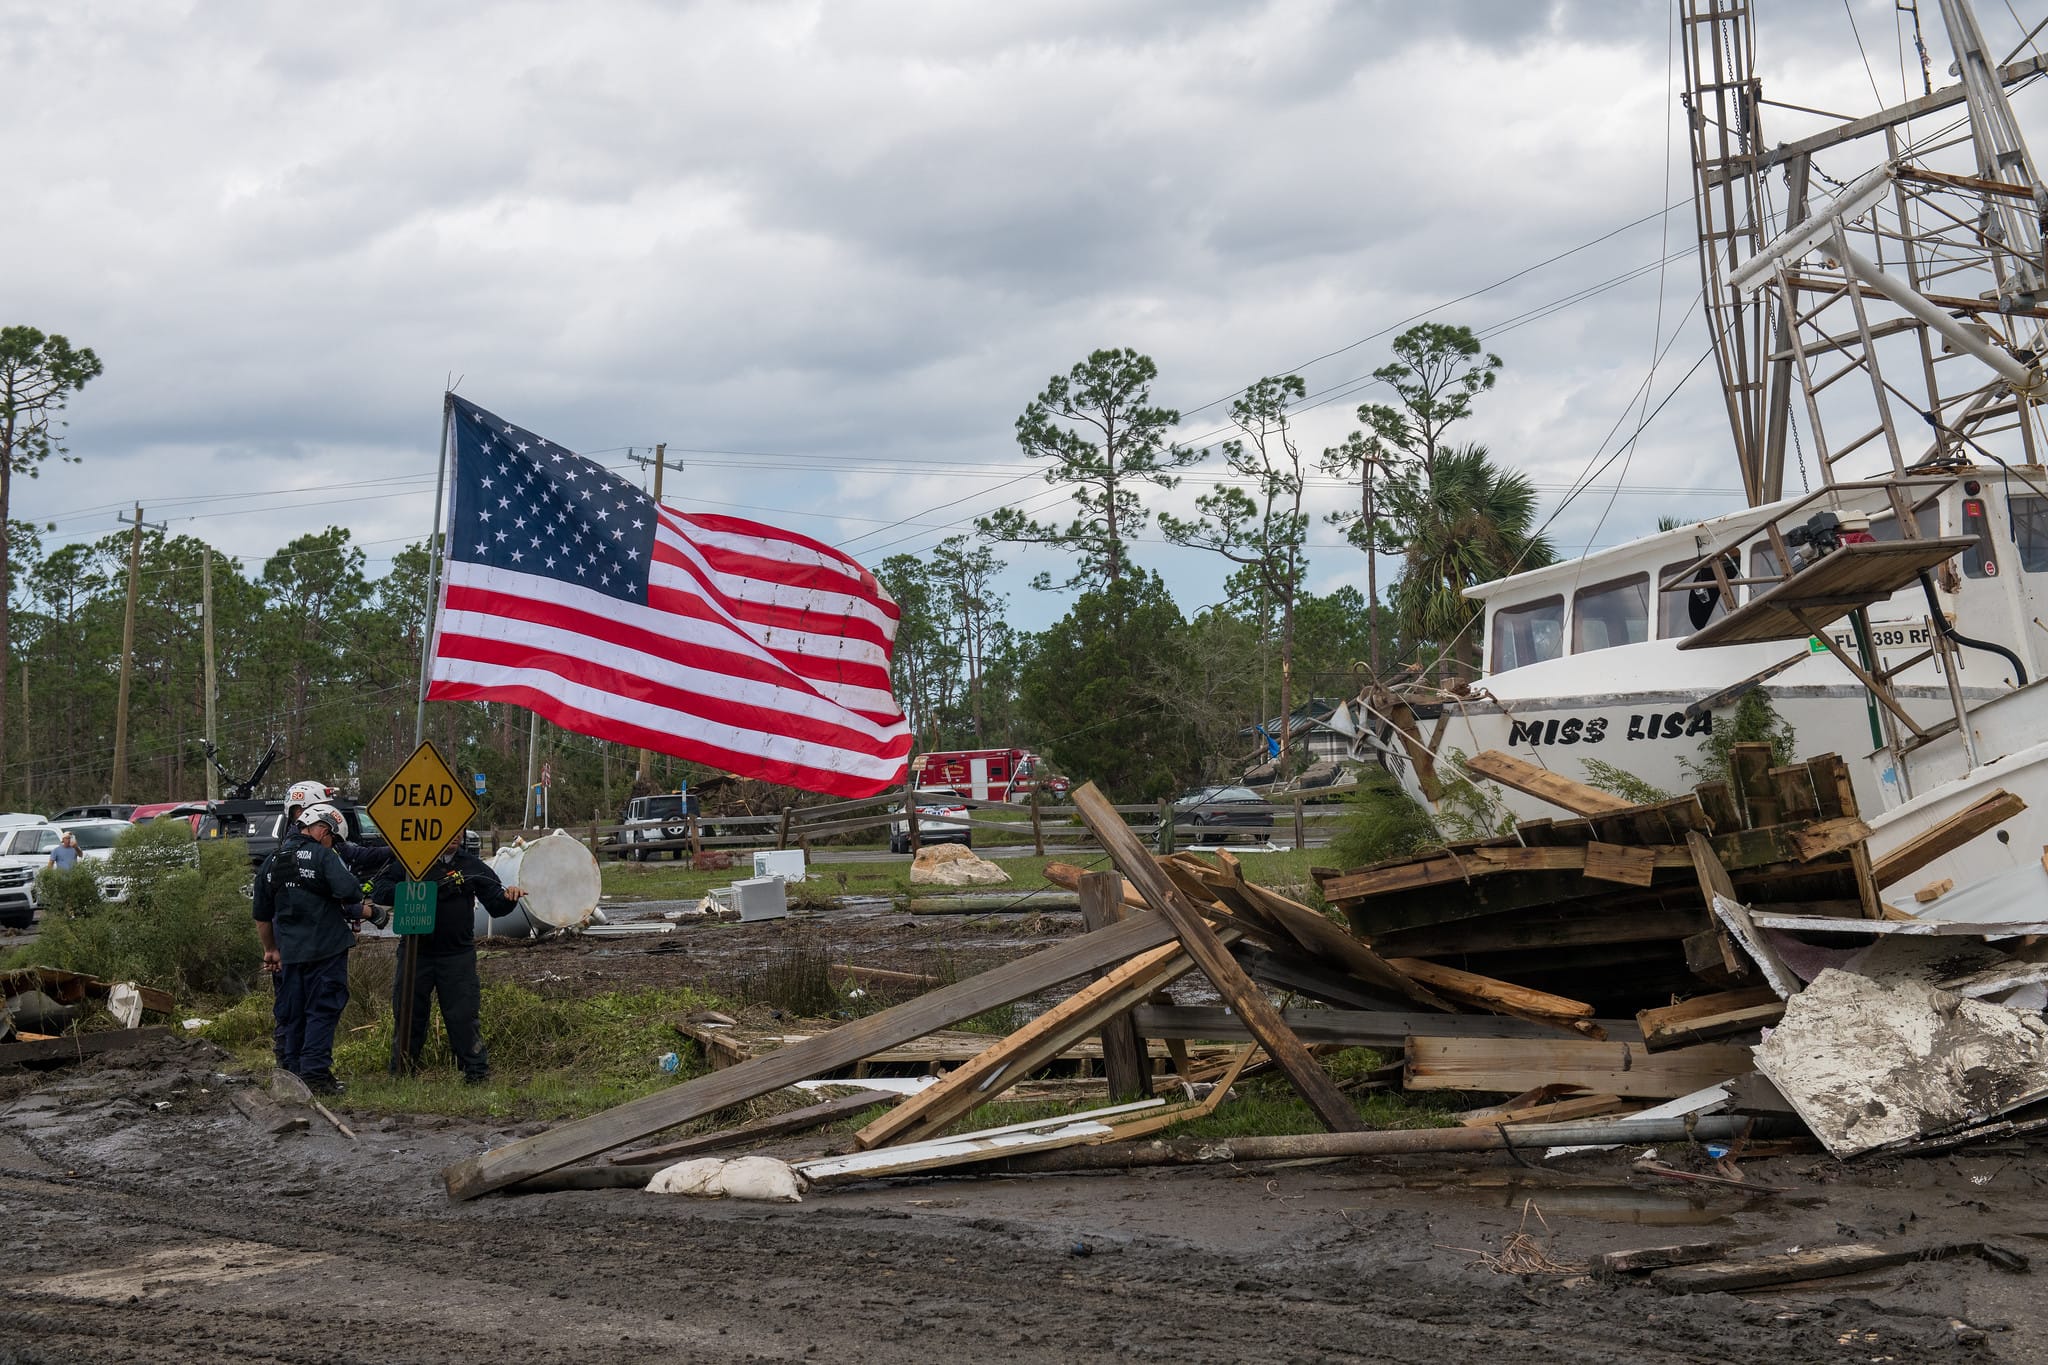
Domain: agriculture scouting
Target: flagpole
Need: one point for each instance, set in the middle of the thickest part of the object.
(409, 945)
(434, 548)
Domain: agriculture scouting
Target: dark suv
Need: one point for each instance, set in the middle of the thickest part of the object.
(260, 823)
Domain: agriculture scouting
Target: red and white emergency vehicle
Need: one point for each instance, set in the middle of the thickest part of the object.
(986, 774)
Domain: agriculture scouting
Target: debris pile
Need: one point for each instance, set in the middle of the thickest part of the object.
(1627, 975)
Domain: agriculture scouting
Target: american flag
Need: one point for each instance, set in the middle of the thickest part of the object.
(569, 592)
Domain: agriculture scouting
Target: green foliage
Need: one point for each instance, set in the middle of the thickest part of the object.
(1625, 785)
(1382, 821)
(1462, 522)
(184, 925)
(1103, 691)
(1753, 721)
(1437, 370)
(1098, 430)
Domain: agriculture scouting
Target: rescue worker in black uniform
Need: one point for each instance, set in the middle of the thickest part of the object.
(308, 909)
(447, 957)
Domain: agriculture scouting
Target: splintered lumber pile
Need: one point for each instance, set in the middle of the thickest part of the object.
(1614, 908)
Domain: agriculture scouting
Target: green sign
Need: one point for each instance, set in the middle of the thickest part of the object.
(412, 909)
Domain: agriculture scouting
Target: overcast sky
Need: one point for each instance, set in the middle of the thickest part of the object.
(827, 252)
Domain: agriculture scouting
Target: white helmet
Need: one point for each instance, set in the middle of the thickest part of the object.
(304, 794)
(323, 814)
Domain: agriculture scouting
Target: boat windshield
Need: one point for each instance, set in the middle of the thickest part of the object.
(1528, 633)
(2030, 530)
(1610, 614)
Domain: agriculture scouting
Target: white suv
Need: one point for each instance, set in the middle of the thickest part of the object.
(24, 851)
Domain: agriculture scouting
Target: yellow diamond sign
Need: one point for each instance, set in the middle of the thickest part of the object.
(421, 808)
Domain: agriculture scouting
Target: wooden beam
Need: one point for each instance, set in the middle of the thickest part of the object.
(1321, 938)
(1713, 880)
(1488, 993)
(1208, 952)
(1515, 1064)
(1817, 1263)
(1709, 1016)
(849, 1043)
(1622, 863)
(1829, 836)
(1009, 1060)
(1387, 1030)
(1556, 788)
(1124, 1060)
(71, 1046)
(1946, 837)
(776, 1125)
(1473, 864)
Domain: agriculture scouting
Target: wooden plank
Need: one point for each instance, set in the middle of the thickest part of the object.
(1826, 793)
(1793, 786)
(1559, 790)
(1736, 918)
(1709, 1016)
(1321, 938)
(1830, 769)
(1628, 920)
(1561, 1110)
(775, 1125)
(1817, 1263)
(1830, 836)
(1621, 863)
(1472, 865)
(1069, 876)
(881, 976)
(1009, 1060)
(1717, 799)
(74, 1045)
(1488, 993)
(1124, 1063)
(1749, 769)
(1374, 1028)
(1934, 891)
(1224, 974)
(1948, 836)
(267, 1113)
(849, 1043)
(1713, 882)
(1657, 1258)
(1614, 1068)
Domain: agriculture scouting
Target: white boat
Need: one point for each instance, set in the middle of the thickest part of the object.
(1898, 613)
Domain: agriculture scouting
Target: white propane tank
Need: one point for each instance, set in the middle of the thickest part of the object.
(518, 924)
(560, 880)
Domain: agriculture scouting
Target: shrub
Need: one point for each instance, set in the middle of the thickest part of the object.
(1382, 821)
(184, 926)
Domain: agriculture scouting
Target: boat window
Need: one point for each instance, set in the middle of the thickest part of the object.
(1528, 634)
(1978, 560)
(2030, 531)
(1927, 518)
(1610, 614)
(1763, 563)
(1674, 609)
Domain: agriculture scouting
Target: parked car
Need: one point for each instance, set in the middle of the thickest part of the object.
(24, 851)
(674, 806)
(1225, 807)
(100, 812)
(182, 810)
(941, 819)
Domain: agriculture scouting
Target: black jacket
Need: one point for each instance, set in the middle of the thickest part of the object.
(309, 897)
(460, 879)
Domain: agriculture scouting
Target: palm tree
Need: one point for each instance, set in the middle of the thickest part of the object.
(1466, 522)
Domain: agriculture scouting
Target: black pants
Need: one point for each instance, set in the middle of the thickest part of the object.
(308, 1004)
(453, 978)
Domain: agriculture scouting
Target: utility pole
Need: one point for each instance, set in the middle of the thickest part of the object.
(660, 462)
(532, 767)
(206, 625)
(118, 788)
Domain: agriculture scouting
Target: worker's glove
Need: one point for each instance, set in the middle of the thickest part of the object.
(379, 915)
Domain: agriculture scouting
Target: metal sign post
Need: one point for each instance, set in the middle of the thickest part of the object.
(419, 810)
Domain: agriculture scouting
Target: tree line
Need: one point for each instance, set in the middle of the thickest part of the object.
(1129, 688)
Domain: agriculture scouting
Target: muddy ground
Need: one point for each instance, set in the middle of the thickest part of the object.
(149, 1220)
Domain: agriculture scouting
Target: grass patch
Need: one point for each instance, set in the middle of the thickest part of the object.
(550, 1058)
